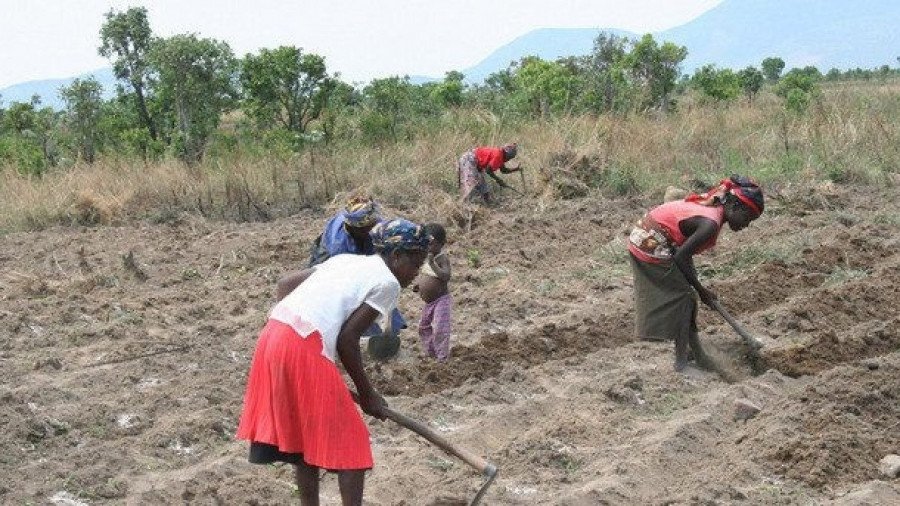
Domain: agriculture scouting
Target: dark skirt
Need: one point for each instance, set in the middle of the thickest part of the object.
(264, 453)
(665, 303)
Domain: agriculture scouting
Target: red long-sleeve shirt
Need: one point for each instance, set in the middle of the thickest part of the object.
(489, 158)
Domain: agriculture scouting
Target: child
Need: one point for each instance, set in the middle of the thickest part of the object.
(434, 327)
(297, 408)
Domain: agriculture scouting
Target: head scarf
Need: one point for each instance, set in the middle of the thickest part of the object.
(399, 234)
(744, 188)
(510, 150)
(361, 211)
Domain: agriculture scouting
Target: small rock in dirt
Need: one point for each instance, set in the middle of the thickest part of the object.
(635, 383)
(549, 344)
(624, 395)
(52, 362)
(873, 492)
(448, 501)
(744, 409)
(890, 466)
(871, 365)
(63, 498)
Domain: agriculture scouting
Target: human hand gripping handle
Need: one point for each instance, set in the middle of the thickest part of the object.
(503, 184)
(708, 297)
(373, 404)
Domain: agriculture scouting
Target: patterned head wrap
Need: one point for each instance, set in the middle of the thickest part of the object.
(361, 211)
(744, 188)
(399, 234)
(510, 150)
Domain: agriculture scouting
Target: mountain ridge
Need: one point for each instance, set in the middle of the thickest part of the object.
(735, 34)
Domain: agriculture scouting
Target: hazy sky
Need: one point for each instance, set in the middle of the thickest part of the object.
(41, 39)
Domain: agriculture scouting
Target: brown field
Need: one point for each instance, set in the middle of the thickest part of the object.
(121, 378)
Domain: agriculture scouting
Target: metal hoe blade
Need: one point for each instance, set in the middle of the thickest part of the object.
(383, 346)
(491, 473)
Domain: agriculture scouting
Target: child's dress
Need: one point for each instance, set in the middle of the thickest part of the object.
(296, 403)
(434, 326)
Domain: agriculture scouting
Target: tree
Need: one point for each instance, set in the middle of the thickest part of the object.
(83, 105)
(811, 71)
(655, 68)
(285, 87)
(495, 90)
(718, 84)
(603, 72)
(126, 37)
(196, 84)
(389, 101)
(546, 85)
(19, 117)
(751, 81)
(32, 145)
(500, 82)
(772, 67)
(340, 97)
(798, 88)
(449, 93)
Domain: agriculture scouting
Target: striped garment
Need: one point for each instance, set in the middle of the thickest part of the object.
(471, 180)
(434, 327)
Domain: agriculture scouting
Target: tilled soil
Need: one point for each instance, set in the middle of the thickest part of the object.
(124, 352)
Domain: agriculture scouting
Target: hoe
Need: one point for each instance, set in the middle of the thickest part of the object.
(483, 466)
(752, 342)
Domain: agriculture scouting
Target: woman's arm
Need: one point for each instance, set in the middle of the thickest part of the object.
(699, 231)
(287, 283)
(361, 319)
(496, 178)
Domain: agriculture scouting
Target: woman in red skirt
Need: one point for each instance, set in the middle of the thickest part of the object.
(297, 408)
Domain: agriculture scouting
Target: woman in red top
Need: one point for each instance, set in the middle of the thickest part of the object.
(473, 165)
(662, 246)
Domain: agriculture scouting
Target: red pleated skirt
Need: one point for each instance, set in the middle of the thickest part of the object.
(297, 401)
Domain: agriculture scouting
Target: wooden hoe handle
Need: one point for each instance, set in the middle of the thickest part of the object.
(482, 465)
(441, 442)
(751, 341)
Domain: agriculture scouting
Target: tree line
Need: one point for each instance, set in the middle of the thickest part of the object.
(174, 93)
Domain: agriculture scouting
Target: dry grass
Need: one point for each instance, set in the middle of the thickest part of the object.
(851, 135)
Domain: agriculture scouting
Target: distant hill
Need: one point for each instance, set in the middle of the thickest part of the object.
(547, 43)
(825, 33)
(48, 89)
(737, 33)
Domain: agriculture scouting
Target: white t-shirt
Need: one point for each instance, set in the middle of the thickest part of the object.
(335, 289)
